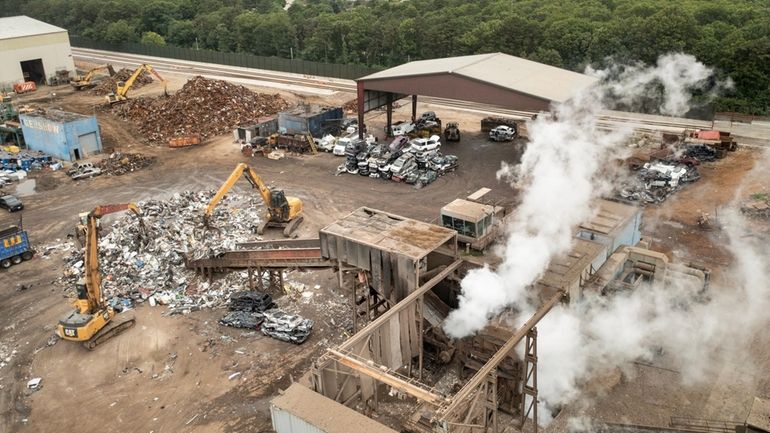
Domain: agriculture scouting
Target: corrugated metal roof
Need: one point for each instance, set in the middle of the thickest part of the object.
(503, 70)
(22, 25)
(759, 415)
(611, 217)
(388, 232)
(467, 210)
(564, 270)
(323, 413)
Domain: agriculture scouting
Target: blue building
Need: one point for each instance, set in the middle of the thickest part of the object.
(63, 135)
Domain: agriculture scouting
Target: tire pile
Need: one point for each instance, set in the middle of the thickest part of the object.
(201, 107)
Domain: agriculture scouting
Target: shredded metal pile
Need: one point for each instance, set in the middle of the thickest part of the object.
(242, 319)
(203, 107)
(119, 163)
(286, 327)
(109, 84)
(147, 264)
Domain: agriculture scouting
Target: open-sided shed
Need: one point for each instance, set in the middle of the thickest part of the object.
(494, 79)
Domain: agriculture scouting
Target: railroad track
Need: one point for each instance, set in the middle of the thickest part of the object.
(609, 119)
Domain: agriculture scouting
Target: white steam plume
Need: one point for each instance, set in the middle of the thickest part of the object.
(564, 167)
(698, 336)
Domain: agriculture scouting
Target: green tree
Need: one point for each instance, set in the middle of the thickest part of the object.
(152, 38)
(120, 32)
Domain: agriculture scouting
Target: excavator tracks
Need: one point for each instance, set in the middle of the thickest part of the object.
(105, 335)
(292, 226)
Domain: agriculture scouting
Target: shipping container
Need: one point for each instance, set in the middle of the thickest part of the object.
(318, 121)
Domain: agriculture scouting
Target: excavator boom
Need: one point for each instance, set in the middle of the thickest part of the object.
(282, 211)
(253, 178)
(121, 93)
(88, 322)
(83, 82)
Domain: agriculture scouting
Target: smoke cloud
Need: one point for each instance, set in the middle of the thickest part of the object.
(566, 166)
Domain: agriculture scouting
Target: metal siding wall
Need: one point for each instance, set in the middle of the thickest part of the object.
(292, 123)
(286, 422)
(629, 235)
(46, 136)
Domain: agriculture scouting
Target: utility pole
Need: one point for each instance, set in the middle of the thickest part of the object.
(291, 52)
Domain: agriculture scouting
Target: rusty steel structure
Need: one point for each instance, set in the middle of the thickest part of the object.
(382, 354)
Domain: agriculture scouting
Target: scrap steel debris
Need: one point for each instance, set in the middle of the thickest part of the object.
(251, 301)
(139, 265)
(656, 181)
(109, 84)
(286, 327)
(119, 163)
(242, 319)
(203, 107)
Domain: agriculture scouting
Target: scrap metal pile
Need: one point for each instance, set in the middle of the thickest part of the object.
(202, 107)
(119, 163)
(109, 84)
(655, 181)
(252, 309)
(668, 170)
(146, 262)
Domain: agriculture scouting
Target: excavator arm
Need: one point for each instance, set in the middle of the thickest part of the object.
(250, 175)
(93, 277)
(85, 81)
(123, 88)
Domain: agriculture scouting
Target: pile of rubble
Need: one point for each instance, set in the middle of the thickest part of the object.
(109, 84)
(655, 181)
(758, 206)
(119, 163)
(253, 310)
(145, 260)
(202, 107)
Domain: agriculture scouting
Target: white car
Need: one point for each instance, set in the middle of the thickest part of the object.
(422, 145)
(340, 145)
(401, 128)
(326, 143)
(502, 133)
(403, 164)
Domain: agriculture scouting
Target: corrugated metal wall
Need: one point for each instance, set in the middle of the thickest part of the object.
(393, 275)
(286, 422)
(60, 139)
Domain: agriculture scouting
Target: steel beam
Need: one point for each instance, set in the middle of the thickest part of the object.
(414, 296)
(478, 379)
(381, 374)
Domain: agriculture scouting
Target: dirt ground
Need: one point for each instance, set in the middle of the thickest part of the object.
(175, 371)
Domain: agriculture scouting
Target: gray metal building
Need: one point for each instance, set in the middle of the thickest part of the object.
(32, 51)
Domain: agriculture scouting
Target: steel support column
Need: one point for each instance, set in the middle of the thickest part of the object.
(414, 108)
(529, 383)
(360, 94)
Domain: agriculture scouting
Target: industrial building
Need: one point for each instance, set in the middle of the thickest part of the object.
(33, 51)
(63, 135)
(497, 79)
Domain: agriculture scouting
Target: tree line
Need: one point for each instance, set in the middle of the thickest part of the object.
(733, 36)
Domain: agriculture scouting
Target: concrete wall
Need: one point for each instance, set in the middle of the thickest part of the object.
(60, 140)
(54, 49)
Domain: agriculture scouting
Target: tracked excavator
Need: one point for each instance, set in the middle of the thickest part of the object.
(87, 323)
(86, 81)
(282, 211)
(121, 92)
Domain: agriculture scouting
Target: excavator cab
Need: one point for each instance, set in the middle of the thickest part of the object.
(279, 206)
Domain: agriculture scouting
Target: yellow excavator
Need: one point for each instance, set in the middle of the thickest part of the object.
(87, 323)
(121, 92)
(282, 211)
(85, 81)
